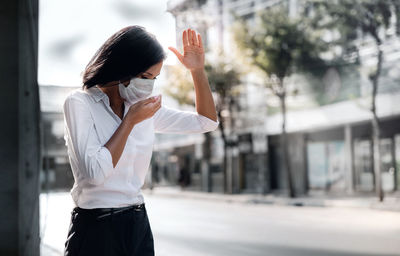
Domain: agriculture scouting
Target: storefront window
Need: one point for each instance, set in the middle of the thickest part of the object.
(363, 165)
(387, 164)
(326, 165)
(336, 166)
(317, 165)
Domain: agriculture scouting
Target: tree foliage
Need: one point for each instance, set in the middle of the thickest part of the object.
(369, 16)
(224, 78)
(280, 45)
(180, 86)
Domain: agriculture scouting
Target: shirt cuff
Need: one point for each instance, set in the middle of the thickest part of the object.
(107, 163)
(208, 124)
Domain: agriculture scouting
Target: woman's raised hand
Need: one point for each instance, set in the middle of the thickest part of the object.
(193, 51)
(143, 109)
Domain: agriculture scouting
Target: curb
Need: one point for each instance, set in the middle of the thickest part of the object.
(390, 203)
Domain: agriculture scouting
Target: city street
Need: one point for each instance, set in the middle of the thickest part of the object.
(195, 227)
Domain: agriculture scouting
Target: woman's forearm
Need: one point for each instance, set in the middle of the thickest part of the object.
(116, 143)
(204, 101)
(138, 112)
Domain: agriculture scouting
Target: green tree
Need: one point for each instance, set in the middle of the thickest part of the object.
(224, 80)
(372, 18)
(279, 46)
(182, 89)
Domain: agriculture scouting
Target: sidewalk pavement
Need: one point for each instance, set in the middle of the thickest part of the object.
(391, 202)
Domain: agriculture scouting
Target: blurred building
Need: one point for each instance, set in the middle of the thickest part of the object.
(56, 172)
(329, 142)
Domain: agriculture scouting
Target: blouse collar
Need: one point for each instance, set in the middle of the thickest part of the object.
(96, 93)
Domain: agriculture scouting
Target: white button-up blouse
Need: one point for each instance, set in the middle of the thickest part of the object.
(89, 124)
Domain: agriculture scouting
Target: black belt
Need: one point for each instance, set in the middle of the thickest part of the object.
(103, 212)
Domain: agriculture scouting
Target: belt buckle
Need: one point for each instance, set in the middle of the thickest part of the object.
(138, 208)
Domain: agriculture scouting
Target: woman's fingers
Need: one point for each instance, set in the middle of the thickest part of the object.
(190, 37)
(191, 42)
(146, 101)
(194, 39)
(155, 106)
(146, 108)
(195, 42)
(185, 38)
(200, 41)
(176, 52)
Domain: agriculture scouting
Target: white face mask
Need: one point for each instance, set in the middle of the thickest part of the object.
(138, 88)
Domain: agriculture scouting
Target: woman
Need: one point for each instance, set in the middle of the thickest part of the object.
(109, 132)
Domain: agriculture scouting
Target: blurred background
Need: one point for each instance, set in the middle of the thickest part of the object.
(306, 160)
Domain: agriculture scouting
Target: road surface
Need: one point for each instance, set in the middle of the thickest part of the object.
(197, 227)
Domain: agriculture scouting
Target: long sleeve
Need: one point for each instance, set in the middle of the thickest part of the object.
(168, 120)
(93, 159)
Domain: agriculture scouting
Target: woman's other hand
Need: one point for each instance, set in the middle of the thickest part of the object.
(143, 109)
(193, 51)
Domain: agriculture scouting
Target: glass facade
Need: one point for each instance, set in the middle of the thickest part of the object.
(317, 165)
(364, 177)
(326, 165)
(387, 164)
(390, 163)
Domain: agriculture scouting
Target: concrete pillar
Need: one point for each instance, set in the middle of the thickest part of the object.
(349, 158)
(260, 148)
(232, 170)
(203, 152)
(229, 171)
(205, 176)
(296, 144)
(19, 132)
(263, 186)
(235, 171)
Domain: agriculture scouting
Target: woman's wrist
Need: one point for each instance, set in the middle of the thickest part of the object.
(197, 71)
(130, 121)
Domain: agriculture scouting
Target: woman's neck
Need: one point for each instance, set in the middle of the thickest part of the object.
(113, 95)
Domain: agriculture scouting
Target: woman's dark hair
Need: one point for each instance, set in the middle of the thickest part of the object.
(127, 53)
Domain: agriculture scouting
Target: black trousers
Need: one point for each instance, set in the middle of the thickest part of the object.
(121, 233)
